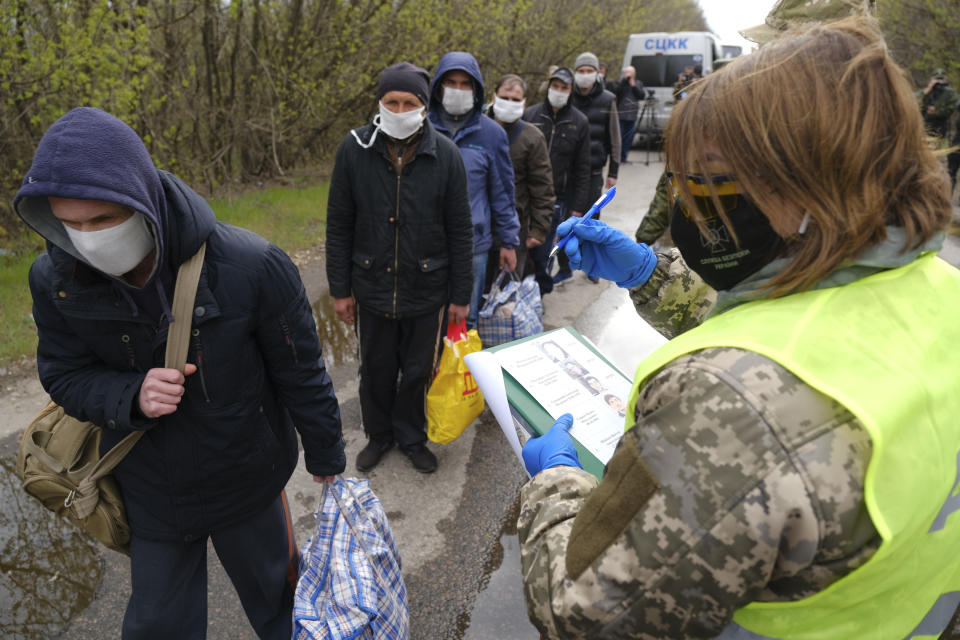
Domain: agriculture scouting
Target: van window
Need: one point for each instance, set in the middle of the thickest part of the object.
(676, 64)
(651, 70)
(662, 71)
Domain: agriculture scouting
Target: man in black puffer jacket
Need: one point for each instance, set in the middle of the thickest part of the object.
(567, 132)
(219, 445)
(399, 256)
(600, 107)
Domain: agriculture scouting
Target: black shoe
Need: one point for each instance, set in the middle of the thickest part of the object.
(370, 455)
(422, 458)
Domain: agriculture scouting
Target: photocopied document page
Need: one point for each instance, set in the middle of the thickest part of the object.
(564, 376)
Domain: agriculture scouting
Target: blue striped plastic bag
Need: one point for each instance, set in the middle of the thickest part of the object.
(350, 584)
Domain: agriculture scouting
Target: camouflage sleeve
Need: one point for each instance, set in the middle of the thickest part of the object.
(674, 298)
(657, 220)
(743, 502)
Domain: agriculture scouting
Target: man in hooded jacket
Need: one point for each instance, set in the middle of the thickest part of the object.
(221, 443)
(455, 110)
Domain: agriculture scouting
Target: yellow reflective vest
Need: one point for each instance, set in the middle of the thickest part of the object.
(887, 347)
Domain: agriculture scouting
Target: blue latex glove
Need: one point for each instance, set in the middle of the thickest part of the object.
(552, 449)
(604, 252)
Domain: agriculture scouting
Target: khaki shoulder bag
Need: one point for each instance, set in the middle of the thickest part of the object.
(59, 461)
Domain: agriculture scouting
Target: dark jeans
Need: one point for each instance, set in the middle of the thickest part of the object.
(397, 360)
(539, 255)
(627, 129)
(169, 579)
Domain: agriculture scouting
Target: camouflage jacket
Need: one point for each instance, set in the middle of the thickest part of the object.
(656, 222)
(739, 483)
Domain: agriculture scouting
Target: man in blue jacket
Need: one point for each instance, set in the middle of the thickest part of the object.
(219, 445)
(455, 109)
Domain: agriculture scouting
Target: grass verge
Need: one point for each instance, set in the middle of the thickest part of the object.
(292, 217)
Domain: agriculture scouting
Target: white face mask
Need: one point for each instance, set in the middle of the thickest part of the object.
(507, 110)
(401, 125)
(557, 99)
(117, 249)
(457, 102)
(585, 80)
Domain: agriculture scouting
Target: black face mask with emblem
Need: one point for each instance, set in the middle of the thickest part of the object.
(717, 259)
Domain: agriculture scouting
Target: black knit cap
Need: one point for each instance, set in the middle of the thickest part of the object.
(404, 76)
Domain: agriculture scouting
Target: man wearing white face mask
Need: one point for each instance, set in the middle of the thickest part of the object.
(567, 132)
(600, 107)
(456, 101)
(399, 246)
(533, 177)
(220, 442)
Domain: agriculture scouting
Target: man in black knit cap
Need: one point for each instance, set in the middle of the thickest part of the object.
(399, 259)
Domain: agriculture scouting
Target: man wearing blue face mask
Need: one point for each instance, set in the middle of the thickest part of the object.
(398, 258)
(456, 101)
(218, 445)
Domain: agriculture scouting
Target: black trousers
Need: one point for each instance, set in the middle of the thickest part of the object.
(169, 579)
(398, 358)
(540, 255)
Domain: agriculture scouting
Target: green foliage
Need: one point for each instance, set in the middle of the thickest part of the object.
(923, 35)
(18, 335)
(228, 91)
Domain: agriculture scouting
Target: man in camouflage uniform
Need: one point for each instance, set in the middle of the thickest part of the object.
(937, 102)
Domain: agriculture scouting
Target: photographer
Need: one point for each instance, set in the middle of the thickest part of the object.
(629, 93)
(937, 103)
(690, 75)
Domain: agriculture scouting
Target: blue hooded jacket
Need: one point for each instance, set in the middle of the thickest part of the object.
(486, 155)
(231, 445)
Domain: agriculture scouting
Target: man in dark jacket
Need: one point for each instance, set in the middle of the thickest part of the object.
(221, 444)
(533, 177)
(630, 93)
(399, 244)
(600, 107)
(567, 132)
(455, 110)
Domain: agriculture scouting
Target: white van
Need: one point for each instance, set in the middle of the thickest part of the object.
(659, 59)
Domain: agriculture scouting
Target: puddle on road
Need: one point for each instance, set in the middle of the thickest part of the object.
(49, 571)
(500, 610)
(338, 340)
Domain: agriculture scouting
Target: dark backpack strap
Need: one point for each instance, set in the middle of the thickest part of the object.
(516, 130)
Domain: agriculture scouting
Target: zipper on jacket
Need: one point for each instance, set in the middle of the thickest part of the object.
(198, 347)
(131, 356)
(289, 339)
(396, 249)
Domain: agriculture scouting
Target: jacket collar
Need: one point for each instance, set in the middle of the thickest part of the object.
(888, 254)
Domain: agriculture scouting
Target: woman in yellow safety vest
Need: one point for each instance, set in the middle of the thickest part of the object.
(789, 465)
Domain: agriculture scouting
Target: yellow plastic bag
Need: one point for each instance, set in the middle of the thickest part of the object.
(454, 399)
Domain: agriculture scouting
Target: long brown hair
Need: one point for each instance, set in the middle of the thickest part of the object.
(825, 119)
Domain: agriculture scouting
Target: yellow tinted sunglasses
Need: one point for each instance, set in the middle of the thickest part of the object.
(725, 185)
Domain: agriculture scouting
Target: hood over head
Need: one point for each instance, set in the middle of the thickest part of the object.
(89, 154)
(453, 61)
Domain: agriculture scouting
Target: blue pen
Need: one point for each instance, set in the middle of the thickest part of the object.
(599, 204)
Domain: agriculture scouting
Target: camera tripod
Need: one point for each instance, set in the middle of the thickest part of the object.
(647, 122)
